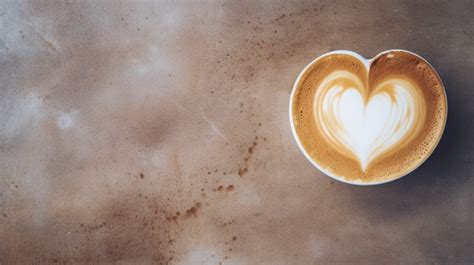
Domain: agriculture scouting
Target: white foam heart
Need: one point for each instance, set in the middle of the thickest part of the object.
(365, 125)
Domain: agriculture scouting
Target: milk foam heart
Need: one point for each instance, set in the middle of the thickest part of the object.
(366, 125)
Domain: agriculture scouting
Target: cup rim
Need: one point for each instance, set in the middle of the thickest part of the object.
(367, 63)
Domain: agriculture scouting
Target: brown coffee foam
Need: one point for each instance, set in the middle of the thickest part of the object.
(394, 163)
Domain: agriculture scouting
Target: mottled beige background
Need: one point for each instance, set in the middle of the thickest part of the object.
(157, 132)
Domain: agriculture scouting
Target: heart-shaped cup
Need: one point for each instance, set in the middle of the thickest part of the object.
(365, 124)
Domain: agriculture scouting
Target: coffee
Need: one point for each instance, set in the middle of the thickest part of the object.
(368, 121)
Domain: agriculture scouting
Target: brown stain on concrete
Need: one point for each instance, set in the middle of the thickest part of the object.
(245, 168)
(123, 229)
(227, 188)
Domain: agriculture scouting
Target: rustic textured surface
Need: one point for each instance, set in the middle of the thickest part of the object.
(140, 132)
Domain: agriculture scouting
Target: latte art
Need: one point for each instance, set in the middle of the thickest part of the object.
(366, 124)
(368, 121)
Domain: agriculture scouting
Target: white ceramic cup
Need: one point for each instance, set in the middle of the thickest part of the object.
(367, 63)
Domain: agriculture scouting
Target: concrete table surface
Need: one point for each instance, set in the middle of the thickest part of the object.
(141, 132)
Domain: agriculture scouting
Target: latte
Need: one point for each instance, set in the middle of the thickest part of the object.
(368, 121)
